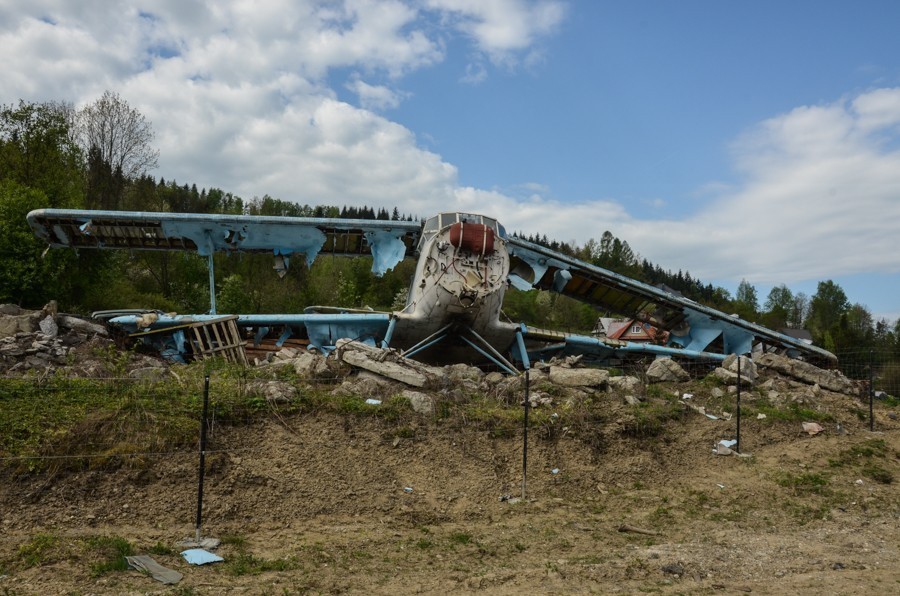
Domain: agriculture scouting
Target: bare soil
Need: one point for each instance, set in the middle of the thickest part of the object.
(322, 503)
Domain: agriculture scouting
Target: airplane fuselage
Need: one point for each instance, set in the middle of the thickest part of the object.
(460, 280)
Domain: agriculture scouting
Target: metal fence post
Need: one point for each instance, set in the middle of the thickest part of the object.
(202, 457)
(738, 439)
(525, 436)
(871, 390)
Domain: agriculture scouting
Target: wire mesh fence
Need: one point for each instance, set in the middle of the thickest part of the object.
(52, 423)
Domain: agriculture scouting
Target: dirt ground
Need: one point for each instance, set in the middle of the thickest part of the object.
(330, 504)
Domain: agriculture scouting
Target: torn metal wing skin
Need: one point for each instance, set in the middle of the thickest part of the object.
(693, 328)
(388, 242)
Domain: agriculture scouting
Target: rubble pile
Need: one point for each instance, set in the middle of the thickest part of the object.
(47, 341)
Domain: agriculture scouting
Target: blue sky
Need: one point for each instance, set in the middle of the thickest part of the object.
(753, 140)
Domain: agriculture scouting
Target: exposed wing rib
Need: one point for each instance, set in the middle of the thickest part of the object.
(387, 241)
(691, 325)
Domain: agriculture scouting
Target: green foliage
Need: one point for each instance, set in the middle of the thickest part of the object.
(649, 418)
(39, 550)
(792, 413)
(111, 550)
(248, 564)
(807, 482)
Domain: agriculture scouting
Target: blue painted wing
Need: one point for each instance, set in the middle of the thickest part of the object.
(692, 327)
(388, 242)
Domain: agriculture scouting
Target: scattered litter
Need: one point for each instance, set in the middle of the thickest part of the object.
(554, 471)
(687, 396)
(760, 416)
(513, 500)
(840, 429)
(156, 571)
(711, 417)
(726, 415)
(859, 482)
(724, 446)
(373, 402)
(407, 489)
(554, 416)
(720, 485)
(813, 428)
(198, 556)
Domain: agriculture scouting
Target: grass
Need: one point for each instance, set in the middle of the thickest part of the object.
(805, 483)
(39, 550)
(649, 418)
(867, 456)
(111, 550)
(792, 413)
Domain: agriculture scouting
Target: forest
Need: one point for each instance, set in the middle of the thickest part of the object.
(100, 157)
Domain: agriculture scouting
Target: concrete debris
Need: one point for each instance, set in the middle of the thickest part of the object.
(624, 384)
(832, 380)
(578, 377)
(386, 363)
(421, 403)
(812, 428)
(666, 370)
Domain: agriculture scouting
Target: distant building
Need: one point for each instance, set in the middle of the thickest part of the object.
(628, 330)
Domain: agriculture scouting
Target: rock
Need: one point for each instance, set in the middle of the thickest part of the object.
(421, 403)
(493, 378)
(673, 569)
(365, 384)
(748, 367)
(831, 380)
(286, 354)
(305, 363)
(82, 326)
(578, 377)
(463, 372)
(632, 400)
(48, 326)
(10, 325)
(626, 384)
(718, 392)
(666, 370)
(273, 391)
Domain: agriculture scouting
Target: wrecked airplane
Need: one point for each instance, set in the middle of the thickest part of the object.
(465, 263)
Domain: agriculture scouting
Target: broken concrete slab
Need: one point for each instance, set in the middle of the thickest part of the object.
(578, 377)
(386, 363)
(832, 380)
(81, 326)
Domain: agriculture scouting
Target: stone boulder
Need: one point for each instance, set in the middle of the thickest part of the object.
(666, 370)
(421, 403)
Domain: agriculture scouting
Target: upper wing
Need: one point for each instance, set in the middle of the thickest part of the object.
(692, 326)
(387, 241)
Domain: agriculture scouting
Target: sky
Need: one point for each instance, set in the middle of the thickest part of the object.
(733, 140)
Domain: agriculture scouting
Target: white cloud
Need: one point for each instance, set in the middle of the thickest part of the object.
(238, 93)
(501, 28)
(820, 198)
(375, 97)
